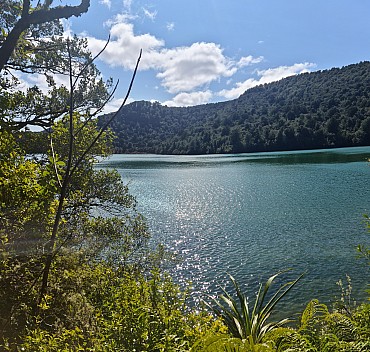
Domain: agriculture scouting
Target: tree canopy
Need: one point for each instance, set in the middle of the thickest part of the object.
(32, 40)
(23, 26)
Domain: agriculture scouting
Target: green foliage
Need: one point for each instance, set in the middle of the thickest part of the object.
(116, 311)
(99, 224)
(321, 330)
(364, 250)
(26, 196)
(42, 49)
(251, 324)
(322, 109)
(154, 318)
(105, 290)
(225, 343)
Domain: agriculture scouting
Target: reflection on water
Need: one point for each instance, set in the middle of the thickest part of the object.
(321, 156)
(254, 214)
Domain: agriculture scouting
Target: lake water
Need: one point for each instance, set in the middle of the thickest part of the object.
(252, 215)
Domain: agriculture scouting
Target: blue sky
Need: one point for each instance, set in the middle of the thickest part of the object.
(201, 51)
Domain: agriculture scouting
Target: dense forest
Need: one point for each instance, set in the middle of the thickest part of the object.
(322, 109)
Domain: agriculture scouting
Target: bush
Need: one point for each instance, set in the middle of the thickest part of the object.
(110, 310)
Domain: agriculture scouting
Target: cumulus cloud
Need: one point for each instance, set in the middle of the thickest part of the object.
(179, 69)
(186, 68)
(266, 76)
(190, 99)
(124, 47)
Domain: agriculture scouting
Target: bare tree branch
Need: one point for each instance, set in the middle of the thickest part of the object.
(105, 126)
(99, 109)
(91, 61)
(70, 170)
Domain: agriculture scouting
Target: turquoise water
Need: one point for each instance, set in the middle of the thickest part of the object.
(252, 215)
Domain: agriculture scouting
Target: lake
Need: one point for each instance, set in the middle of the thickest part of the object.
(252, 215)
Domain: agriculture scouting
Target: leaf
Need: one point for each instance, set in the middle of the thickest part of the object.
(244, 324)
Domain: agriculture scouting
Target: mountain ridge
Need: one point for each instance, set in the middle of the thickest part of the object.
(320, 109)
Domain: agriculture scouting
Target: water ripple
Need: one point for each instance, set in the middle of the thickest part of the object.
(253, 215)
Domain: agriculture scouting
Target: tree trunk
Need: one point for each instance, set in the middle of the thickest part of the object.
(36, 17)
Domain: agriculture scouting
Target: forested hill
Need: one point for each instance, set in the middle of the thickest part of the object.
(313, 110)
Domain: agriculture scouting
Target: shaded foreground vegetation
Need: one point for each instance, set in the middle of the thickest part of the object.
(94, 307)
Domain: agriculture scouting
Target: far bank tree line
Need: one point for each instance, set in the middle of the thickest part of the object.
(323, 109)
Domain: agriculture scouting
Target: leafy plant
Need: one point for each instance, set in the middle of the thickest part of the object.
(225, 343)
(346, 304)
(364, 251)
(244, 323)
(322, 330)
(112, 310)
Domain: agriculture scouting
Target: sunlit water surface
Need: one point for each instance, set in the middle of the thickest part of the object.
(252, 215)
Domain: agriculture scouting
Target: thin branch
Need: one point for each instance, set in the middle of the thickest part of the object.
(54, 160)
(51, 250)
(27, 68)
(98, 110)
(105, 101)
(105, 126)
(91, 61)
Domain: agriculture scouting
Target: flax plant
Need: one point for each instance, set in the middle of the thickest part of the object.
(244, 323)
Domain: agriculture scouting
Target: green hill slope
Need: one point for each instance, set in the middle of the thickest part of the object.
(321, 109)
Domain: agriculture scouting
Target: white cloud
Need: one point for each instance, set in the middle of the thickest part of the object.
(36, 79)
(249, 60)
(124, 47)
(150, 15)
(106, 3)
(119, 18)
(266, 76)
(67, 30)
(186, 68)
(274, 74)
(115, 104)
(180, 69)
(170, 26)
(190, 99)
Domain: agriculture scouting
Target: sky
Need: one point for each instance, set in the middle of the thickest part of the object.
(204, 51)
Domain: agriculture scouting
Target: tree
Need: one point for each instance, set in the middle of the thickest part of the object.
(20, 17)
(32, 41)
(57, 212)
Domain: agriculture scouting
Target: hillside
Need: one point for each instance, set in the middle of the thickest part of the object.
(321, 109)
